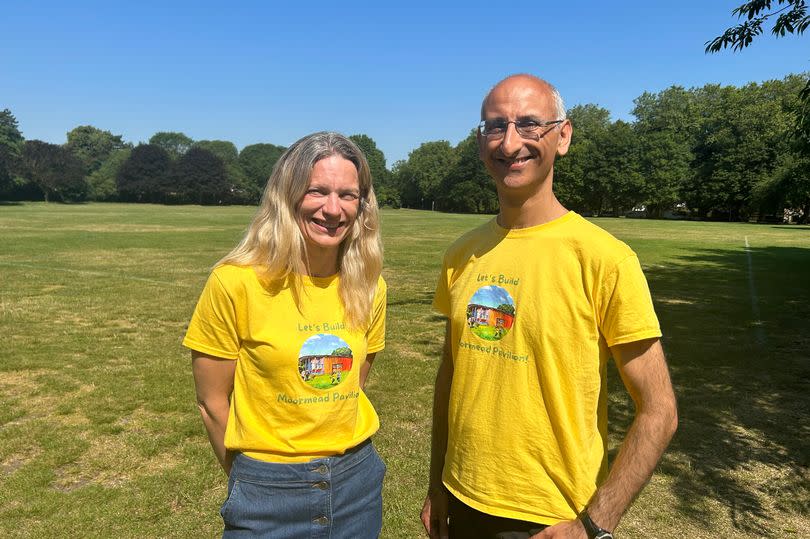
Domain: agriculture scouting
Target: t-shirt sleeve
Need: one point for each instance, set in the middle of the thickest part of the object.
(625, 308)
(212, 329)
(376, 331)
(441, 298)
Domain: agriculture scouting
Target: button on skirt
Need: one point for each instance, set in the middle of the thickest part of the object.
(334, 497)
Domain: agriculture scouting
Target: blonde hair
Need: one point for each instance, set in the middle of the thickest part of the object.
(274, 241)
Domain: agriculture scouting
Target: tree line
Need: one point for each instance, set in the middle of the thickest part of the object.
(713, 152)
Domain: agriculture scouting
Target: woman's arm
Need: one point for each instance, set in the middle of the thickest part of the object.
(213, 380)
(365, 368)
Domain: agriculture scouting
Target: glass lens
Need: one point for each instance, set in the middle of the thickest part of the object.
(526, 126)
(494, 127)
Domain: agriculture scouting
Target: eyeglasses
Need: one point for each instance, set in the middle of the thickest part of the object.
(526, 128)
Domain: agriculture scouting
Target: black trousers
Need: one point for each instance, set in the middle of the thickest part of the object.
(469, 523)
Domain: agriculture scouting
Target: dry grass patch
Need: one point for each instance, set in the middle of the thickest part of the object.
(16, 383)
(25, 391)
(404, 351)
(52, 288)
(17, 460)
(117, 459)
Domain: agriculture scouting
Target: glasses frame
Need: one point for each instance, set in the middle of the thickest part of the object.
(530, 134)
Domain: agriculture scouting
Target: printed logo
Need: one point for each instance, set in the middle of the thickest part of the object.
(324, 361)
(491, 313)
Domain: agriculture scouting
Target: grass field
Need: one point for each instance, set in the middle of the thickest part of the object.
(100, 437)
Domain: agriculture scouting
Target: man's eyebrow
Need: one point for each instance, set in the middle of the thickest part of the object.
(522, 117)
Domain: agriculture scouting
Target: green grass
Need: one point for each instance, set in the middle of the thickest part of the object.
(489, 333)
(100, 437)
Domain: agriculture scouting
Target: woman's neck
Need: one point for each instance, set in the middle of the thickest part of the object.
(322, 263)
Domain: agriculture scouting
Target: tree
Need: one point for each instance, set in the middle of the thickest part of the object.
(578, 177)
(200, 176)
(172, 142)
(741, 133)
(11, 145)
(791, 18)
(92, 145)
(242, 189)
(507, 308)
(54, 170)
(374, 156)
(788, 185)
(666, 125)
(223, 149)
(102, 182)
(143, 177)
(381, 177)
(423, 173)
(467, 187)
(620, 167)
(257, 162)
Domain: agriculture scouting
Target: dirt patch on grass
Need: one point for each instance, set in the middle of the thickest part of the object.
(15, 461)
(121, 324)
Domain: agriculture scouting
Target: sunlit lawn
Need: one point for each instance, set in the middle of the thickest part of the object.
(99, 433)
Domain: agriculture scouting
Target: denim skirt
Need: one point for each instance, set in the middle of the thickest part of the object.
(332, 498)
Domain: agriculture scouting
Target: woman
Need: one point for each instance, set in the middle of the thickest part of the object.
(282, 340)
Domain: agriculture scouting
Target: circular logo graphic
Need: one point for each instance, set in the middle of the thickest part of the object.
(324, 361)
(491, 313)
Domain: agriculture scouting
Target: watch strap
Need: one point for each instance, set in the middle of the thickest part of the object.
(591, 528)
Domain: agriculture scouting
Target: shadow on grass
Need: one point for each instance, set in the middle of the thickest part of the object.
(794, 228)
(421, 298)
(739, 360)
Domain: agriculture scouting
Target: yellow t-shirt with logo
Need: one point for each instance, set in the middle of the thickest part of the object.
(296, 392)
(533, 312)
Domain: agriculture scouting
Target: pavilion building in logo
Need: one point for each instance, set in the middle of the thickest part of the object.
(491, 313)
(325, 361)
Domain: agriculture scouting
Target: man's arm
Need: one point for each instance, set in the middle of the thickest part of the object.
(213, 381)
(644, 372)
(434, 510)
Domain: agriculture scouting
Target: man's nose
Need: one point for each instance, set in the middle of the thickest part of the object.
(512, 141)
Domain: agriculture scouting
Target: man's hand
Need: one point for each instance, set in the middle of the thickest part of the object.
(570, 529)
(434, 513)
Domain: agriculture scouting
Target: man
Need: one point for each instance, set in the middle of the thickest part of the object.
(537, 301)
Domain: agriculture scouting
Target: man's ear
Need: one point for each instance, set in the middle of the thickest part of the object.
(564, 140)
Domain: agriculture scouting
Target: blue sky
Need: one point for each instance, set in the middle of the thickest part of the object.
(322, 343)
(402, 73)
(492, 296)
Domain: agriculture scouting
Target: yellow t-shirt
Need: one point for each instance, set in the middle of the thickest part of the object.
(296, 392)
(533, 312)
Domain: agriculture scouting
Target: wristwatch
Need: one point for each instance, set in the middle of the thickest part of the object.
(593, 531)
